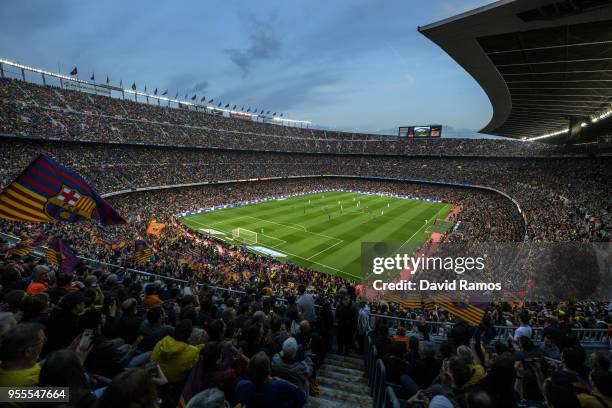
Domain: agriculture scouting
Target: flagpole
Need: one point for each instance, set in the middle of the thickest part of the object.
(59, 71)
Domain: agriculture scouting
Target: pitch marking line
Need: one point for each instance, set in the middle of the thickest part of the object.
(289, 226)
(282, 241)
(301, 257)
(419, 230)
(326, 249)
(408, 240)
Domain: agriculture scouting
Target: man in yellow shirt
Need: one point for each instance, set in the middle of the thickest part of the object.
(19, 352)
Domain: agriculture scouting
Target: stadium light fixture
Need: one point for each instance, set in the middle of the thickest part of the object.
(277, 118)
(551, 134)
(594, 119)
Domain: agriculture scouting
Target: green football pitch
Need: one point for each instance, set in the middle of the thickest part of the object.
(322, 231)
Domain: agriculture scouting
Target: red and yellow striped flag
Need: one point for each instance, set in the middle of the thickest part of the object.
(465, 311)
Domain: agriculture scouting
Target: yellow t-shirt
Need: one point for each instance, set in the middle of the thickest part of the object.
(589, 401)
(478, 373)
(20, 378)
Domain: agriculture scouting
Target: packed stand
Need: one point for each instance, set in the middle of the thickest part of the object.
(32, 110)
(563, 199)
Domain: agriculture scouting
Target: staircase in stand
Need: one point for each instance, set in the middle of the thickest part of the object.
(342, 383)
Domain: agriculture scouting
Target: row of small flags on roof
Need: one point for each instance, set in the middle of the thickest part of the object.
(194, 98)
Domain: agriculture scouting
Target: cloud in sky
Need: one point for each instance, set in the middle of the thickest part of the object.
(200, 87)
(262, 43)
(346, 63)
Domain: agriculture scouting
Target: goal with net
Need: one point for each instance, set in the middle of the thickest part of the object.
(245, 235)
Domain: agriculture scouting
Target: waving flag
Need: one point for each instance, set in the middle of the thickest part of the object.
(466, 311)
(407, 300)
(74, 71)
(46, 191)
(155, 228)
(193, 385)
(61, 256)
(142, 252)
(27, 245)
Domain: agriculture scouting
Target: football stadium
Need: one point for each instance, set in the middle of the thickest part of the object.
(348, 204)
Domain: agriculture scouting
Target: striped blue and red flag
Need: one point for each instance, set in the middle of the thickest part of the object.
(61, 256)
(46, 191)
(27, 245)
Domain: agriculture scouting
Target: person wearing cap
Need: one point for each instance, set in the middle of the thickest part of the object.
(40, 280)
(91, 281)
(286, 366)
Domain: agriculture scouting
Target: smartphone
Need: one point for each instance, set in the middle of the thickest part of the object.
(87, 335)
(151, 368)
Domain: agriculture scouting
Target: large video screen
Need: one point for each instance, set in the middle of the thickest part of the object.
(420, 132)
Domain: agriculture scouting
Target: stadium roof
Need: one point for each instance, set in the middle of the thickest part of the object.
(540, 62)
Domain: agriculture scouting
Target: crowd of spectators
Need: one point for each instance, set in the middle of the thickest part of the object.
(564, 199)
(471, 369)
(30, 109)
(119, 339)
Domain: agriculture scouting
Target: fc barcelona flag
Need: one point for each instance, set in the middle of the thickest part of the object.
(46, 191)
(61, 256)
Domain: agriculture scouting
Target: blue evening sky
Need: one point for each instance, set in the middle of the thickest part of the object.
(347, 64)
